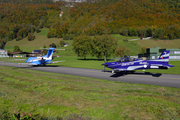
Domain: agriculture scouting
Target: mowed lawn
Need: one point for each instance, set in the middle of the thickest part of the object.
(159, 43)
(44, 95)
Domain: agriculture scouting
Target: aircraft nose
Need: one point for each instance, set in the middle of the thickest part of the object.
(105, 64)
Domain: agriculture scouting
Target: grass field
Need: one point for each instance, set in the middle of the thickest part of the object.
(159, 43)
(45, 95)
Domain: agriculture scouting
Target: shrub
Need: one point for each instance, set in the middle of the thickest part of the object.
(125, 40)
(61, 43)
(37, 30)
(53, 45)
(19, 38)
(16, 48)
(30, 37)
(132, 31)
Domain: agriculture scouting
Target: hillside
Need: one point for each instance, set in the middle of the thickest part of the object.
(159, 19)
(142, 18)
(134, 46)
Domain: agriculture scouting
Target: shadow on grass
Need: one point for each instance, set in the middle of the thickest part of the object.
(120, 74)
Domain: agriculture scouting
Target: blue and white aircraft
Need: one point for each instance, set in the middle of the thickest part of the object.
(46, 59)
(126, 65)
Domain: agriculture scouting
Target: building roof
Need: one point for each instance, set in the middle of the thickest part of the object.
(18, 52)
(36, 51)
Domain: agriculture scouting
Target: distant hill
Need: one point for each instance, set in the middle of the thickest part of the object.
(143, 18)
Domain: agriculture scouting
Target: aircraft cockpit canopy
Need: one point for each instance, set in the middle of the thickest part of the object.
(126, 58)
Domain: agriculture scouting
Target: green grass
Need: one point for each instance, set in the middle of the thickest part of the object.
(43, 32)
(50, 95)
(159, 43)
(131, 45)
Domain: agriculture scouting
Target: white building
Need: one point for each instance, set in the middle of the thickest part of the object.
(3, 53)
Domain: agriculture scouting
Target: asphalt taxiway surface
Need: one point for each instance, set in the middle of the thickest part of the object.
(167, 80)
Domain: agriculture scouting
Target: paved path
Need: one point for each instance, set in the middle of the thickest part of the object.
(168, 80)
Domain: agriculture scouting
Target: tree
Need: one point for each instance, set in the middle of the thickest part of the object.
(53, 45)
(16, 48)
(103, 45)
(61, 43)
(31, 37)
(143, 50)
(82, 45)
(122, 51)
(45, 51)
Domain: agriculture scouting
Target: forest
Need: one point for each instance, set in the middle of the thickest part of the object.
(159, 19)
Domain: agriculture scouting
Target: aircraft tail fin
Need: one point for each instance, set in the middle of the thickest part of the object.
(164, 56)
(49, 53)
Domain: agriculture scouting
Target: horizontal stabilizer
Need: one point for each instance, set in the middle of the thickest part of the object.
(55, 62)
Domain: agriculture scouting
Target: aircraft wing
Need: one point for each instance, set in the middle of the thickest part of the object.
(55, 62)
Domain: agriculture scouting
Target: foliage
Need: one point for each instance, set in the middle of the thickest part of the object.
(37, 30)
(121, 51)
(58, 30)
(61, 43)
(145, 18)
(103, 45)
(53, 45)
(82, 45)
(114, 17)
(45, 51)
(30, 37)
(2, 43)
(16, 48)
(143, 50)
(18, 38)
(23, 116)
(68, 37)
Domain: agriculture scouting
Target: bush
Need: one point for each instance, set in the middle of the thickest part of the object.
(124, 32)
(19, 38)
(125, 40)
(30, 37)
(16, 48)
(132, 31)
(148, 32)
(53, 45)
(37, 30)
(61, 43)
